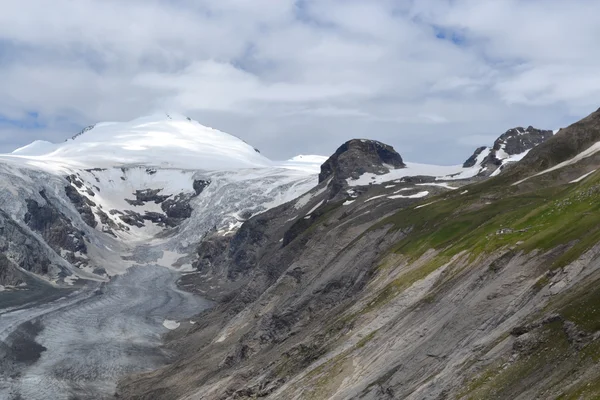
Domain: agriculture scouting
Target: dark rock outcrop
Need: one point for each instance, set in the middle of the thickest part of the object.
(54, 226)
(358, 156)
(471, 161)
(84, 130)
(209, 251)
(9, 275)
(159, 219)
(132, 218)
(19, 248)
(200, 185)
(146, 196)
(514, 141)
(83, 205)
(519, 140)
(178, 207)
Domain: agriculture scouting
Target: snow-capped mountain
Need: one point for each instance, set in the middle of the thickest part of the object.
(114, 215)
(167, 140)
(115, 186)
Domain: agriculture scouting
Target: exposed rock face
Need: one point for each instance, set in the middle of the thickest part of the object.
(359, 156)
(22, 250)
(566, 144)
(519, 140)
(210, 252)
(471, 161)
(512, 142)
(9, 275)
(148, 195)
(178, 207)
(83, 205)
(84, 130)
(200, 184)
(55, 227)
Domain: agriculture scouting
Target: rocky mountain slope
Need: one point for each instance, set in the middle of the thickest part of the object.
(358, 276)
(408, 289)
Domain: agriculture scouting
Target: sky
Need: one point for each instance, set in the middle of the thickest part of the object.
(433, 78)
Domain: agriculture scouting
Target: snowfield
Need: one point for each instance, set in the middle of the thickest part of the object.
(172, 141)
(414, 169)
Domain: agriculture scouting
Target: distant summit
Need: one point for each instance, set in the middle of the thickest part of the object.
(510, 147)
(167, 140)
(359, 156)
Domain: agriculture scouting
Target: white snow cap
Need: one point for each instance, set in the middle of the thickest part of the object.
(164, 140)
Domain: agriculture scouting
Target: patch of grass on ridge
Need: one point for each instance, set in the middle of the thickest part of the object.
(542, 219)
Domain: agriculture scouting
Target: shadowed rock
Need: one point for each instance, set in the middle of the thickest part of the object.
(359, 156)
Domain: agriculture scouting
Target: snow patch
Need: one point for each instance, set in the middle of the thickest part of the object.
(315, 207)
(443, 184)
(375, 197)
(170, 324)
(412, 169)
(308, 163)
(582, 177)
(593, 149)
(304, 200)
(424, 205)
(410, 196)
(69, 280)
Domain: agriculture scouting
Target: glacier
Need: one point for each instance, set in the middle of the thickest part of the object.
(97, 312)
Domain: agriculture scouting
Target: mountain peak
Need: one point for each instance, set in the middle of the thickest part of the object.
(509, 147)
(165, 139)
(358, 156)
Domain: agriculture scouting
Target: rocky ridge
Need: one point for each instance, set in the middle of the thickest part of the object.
(508, 148)
(377, 292)
(417, 287)
(359, 156)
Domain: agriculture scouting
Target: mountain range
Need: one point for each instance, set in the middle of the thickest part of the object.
(162, 259)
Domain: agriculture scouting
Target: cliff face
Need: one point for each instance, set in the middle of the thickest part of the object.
(359, 156)
(487, 291)
(507, 149)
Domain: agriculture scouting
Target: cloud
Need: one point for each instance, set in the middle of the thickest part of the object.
(430, 77)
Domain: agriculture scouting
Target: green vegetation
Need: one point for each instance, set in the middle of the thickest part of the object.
(327, 377)
(491, 216)
(541, 283)
(362, 343)
(404, 281)
(502, 380)
(483, 221)
(565, 219)
(583, 307)
(552, 356)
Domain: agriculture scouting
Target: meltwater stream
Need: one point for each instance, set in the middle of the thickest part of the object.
(79, 346)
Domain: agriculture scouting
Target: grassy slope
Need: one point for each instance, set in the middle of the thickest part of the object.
(493, 216)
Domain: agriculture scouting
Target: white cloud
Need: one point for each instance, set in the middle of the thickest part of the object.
(303, 76)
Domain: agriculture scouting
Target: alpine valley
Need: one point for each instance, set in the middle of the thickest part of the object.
(162, 259)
